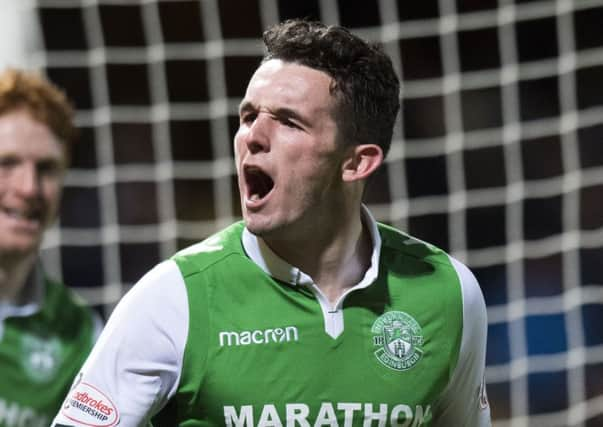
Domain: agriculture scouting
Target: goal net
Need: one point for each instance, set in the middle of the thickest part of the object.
(497, 158)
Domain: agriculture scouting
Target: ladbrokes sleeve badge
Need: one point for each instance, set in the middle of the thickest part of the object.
(87, 405)
(398, 340)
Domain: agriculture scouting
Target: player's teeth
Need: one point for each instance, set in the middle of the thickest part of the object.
(254, 197)
(16, 214)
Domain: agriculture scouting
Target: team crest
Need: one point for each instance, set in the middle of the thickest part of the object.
(398, 340)
(41, 356)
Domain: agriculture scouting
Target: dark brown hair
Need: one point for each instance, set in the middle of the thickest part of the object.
(364, 80)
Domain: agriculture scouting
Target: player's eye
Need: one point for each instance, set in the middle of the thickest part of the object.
(49, 168)
(289, 123)
(248, 117)
(8, 162)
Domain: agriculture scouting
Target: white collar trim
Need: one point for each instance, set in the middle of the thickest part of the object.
(32, 295)
(276, 267)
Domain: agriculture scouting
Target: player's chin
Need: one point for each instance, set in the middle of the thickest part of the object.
(19, 245)
(259, 224)
(255, 228)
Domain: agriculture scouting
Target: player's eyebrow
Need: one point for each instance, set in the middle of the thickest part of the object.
(283, 112)
(246, 106)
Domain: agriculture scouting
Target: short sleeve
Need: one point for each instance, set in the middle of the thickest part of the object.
(464, 402)
(135, 366)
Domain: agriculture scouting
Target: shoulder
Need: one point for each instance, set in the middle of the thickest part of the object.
(398, 247)
(58, 292)
(461, 404)
(168, 283)
(414, 257)
(159, 285)
(61, 301)
(210, 251)
(155, 304)
(62, 308)
(396, 240)
(473, 299)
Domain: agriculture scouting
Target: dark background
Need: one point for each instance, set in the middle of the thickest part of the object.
(497, 158)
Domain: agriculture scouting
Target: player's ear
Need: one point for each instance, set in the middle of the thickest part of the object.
(361, 161)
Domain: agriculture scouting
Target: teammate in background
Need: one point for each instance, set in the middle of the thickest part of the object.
(308, 312)
(45, 334)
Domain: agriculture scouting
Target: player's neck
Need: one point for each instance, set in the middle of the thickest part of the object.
(14, 271)
(336, 257)
(334, 274)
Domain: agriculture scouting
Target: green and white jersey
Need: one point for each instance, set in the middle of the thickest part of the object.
(43, 344)
(227, 333)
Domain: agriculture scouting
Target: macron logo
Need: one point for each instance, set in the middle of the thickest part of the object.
(266, 336)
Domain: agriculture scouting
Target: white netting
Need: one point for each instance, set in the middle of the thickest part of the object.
(498, 158)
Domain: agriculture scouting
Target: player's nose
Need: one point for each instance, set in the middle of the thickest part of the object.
(258, 137)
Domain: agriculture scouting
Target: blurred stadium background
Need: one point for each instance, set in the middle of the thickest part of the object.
(497, 158)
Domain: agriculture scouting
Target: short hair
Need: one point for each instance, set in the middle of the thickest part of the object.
(364, 81)
(44, 101)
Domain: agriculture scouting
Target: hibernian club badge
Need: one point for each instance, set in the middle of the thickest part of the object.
(398, 340)
(40, 356)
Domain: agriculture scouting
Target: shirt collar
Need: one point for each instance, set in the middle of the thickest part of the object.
(272, 264)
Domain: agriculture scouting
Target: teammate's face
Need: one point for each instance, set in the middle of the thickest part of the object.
(32, 165)
(287, 156)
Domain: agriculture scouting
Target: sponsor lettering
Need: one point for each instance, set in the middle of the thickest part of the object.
(15, 415)
(266, 336)
(90, 402)
(88, 405)
(344, 414)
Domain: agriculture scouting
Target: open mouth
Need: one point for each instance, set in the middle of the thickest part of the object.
(19, 214)
(21, 218)
(258, 182)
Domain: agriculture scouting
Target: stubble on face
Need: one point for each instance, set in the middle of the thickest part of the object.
(288, 132)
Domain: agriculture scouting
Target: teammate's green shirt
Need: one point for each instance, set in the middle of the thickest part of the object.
(227, 333)
(41, 350)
